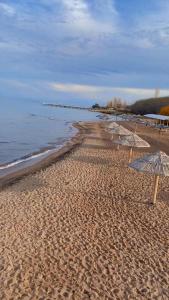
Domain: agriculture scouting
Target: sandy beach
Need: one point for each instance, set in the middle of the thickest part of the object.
(83, 228)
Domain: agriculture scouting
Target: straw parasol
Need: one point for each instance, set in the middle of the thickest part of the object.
(120, 131)
(132, 141)
(156, 163)
(112, 125)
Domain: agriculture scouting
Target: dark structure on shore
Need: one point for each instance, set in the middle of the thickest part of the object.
(65, 106)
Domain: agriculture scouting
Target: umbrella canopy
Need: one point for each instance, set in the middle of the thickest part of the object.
(113, 125)
(156, 163)
(132, 140)
(120, 130)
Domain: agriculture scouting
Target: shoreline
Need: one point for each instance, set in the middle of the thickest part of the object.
(31, 167)
(83, 228)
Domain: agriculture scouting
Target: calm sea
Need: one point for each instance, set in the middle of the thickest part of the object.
(27, 127)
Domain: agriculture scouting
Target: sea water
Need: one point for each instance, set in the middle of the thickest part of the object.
(29, 130)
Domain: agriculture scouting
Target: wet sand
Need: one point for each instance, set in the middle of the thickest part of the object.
(83, 228)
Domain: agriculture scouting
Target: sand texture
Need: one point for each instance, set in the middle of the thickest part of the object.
(83, 228)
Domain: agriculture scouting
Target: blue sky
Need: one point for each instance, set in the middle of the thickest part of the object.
(75, 51)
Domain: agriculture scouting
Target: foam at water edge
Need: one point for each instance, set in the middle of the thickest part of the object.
(17, 162)
(41, 154)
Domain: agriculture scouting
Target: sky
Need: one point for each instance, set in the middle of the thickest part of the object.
(83, 51)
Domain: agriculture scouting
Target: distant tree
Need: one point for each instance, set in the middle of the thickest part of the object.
(124, 104)
(149, 106)
(164, 111)
(119, 103)
(116, 103)
(95, 106)
(109, 104)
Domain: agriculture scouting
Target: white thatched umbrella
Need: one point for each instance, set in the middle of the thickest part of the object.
(112, 125)
(132, 141)
(156, 163)
(120, 131)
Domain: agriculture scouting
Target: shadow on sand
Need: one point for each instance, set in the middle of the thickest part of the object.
(164, 197)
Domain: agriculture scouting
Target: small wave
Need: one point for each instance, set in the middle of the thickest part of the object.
(44, 152)
(23, 160)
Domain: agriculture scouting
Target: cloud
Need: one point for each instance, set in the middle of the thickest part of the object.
(89, 90)
(42, 90)
(66, 27)
(79, 14)
(152, 28)
(93, 43)
(13, 46)
(75, 88)
(7, 9)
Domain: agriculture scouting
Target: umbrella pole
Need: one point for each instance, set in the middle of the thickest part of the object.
(155, 189)
(118, 145)
(130, 154)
